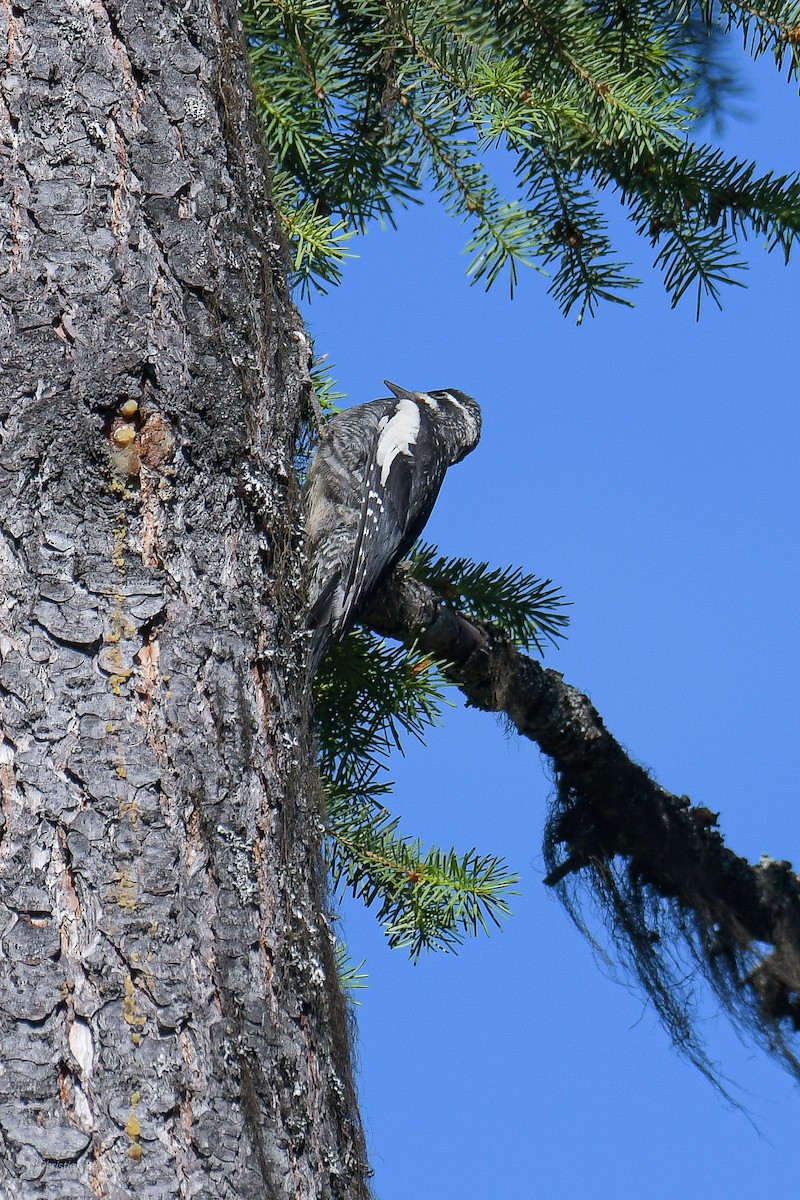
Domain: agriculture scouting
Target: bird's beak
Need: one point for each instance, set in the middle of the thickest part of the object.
(401, 393)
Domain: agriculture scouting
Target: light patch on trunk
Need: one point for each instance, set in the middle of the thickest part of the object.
(398, 434)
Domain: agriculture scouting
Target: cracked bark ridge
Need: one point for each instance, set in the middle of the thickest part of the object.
(655, 860)
(170, 1017)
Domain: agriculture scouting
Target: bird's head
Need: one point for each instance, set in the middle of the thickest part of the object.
(458, 416)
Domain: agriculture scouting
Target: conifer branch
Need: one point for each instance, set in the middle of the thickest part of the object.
(361, 104)
(425, 900)
(529, 609)
(655, 862)
(369, 697)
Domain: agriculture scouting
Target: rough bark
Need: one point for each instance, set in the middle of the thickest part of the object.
(742, 920)
(171, 1024)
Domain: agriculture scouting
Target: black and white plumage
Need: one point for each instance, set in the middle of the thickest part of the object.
(371, 489)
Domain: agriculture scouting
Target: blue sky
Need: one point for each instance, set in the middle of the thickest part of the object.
(649, 465)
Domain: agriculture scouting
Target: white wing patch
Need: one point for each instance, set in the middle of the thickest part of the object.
(398, 434)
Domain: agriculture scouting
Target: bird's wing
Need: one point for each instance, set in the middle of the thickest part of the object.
(398, 497)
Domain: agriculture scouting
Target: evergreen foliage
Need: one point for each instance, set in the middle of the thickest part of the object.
(366, 103)
(369, 697)
(352, 977)
(426, 900)
(528, 609)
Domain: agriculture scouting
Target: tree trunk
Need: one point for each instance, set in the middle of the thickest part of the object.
(170, 1017)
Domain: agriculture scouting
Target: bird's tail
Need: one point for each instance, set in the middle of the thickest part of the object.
(320, 640)
(320, 620)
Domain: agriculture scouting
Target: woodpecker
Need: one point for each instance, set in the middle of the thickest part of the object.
(371, 489)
